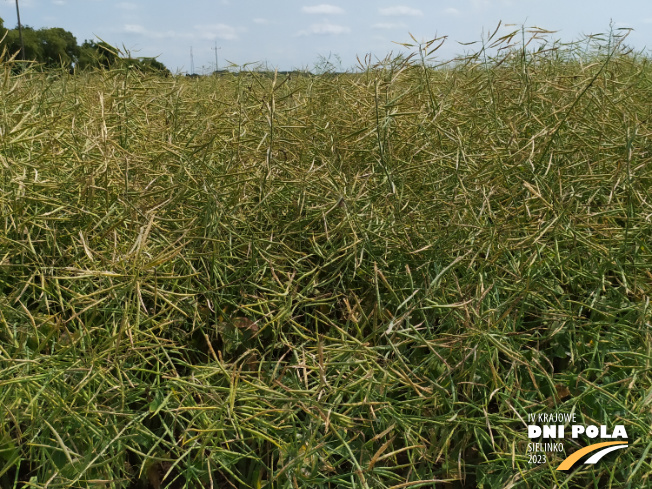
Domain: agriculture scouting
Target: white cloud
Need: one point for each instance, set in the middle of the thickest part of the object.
(324, 28)
(58, 2)
(142, 31)
(451, 11)
(481, 4)
(217, 31)
(389, 25)
(135, 29)
(127, 6)
(400, 10)
(323, 9)
(259, 20)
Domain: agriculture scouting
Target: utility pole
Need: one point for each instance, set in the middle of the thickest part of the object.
(215, 49)
(20, 33)
(192, 61)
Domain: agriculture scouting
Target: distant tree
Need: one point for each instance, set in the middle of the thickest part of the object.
(94, 55)
(59, 47)
(87, 56)
(33, 46)
(56, 47)
(3, 32)
(97, 55)
(50, 47)
(149, 65)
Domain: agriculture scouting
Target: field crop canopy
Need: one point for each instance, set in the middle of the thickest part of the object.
(335, 280)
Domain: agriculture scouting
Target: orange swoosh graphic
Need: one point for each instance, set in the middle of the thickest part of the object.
(571, 459)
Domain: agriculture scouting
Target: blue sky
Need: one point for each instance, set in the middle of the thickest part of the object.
(288, 34)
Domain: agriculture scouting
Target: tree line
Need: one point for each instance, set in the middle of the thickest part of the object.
(55, 47)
